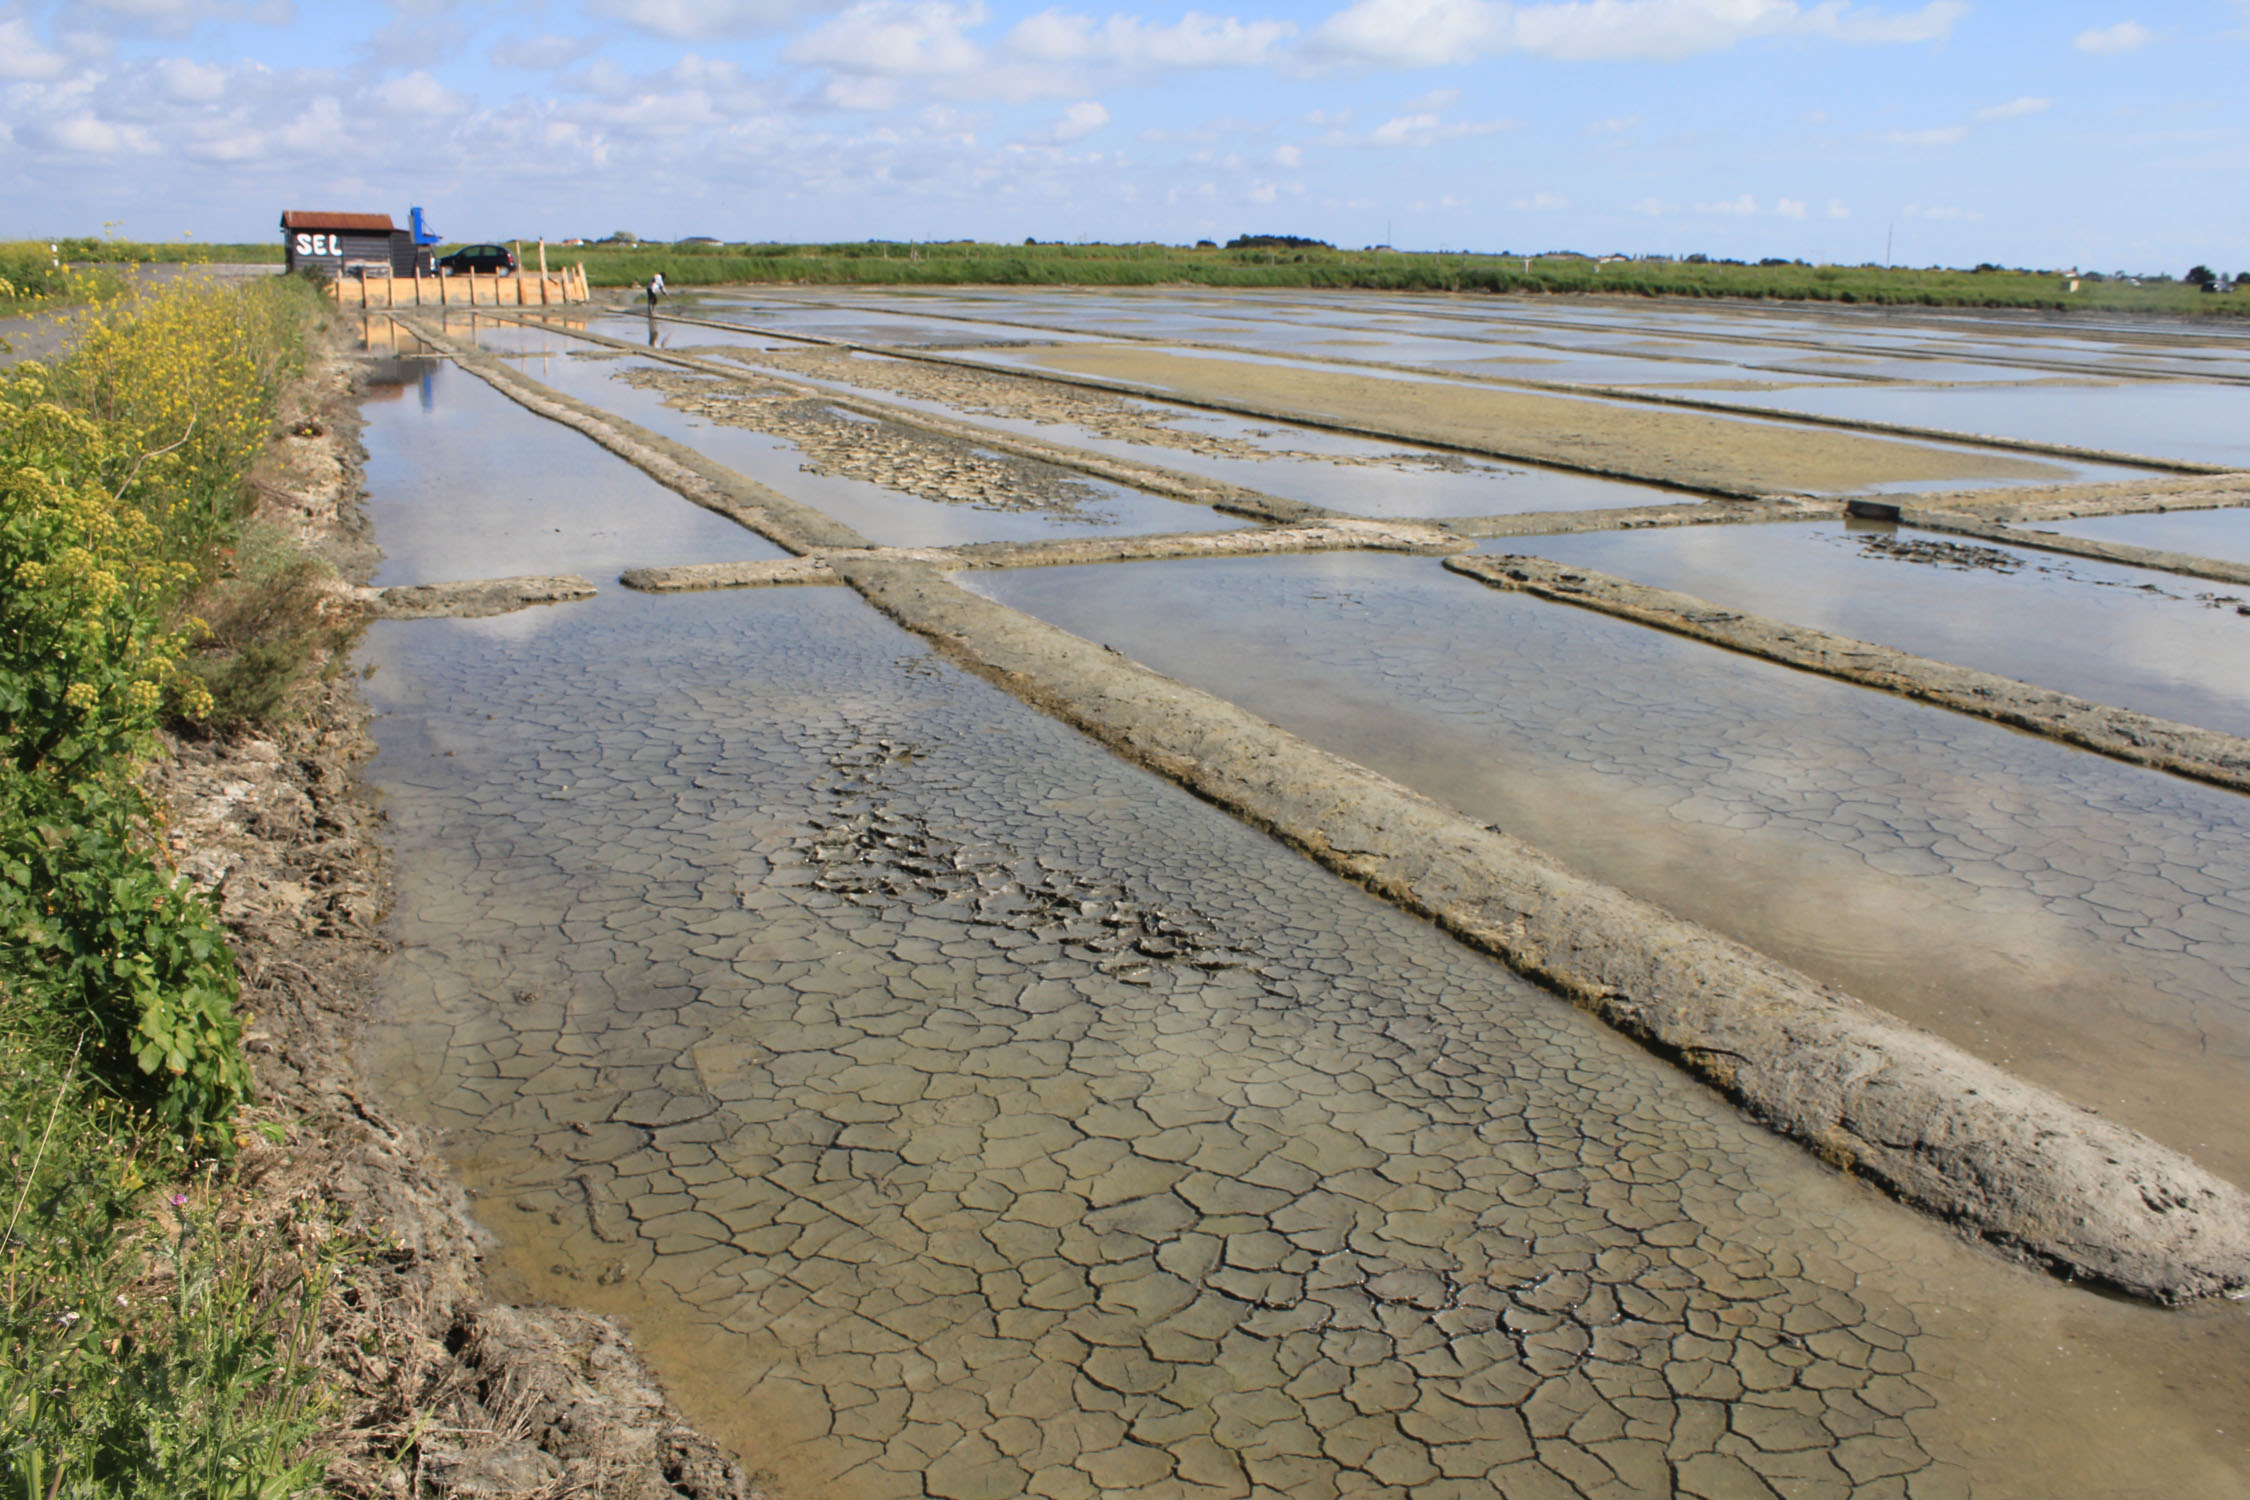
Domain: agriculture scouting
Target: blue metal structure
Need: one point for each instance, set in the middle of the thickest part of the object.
(423, 234)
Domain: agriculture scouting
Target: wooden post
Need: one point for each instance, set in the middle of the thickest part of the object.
(542, 258)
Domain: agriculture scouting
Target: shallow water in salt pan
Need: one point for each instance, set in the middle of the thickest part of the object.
(2083, 922)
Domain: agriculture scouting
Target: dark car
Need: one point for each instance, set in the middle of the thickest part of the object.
(485, 260)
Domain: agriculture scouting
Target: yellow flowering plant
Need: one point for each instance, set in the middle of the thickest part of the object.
(121, 479)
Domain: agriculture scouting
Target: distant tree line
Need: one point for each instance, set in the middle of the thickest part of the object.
(1276, 242)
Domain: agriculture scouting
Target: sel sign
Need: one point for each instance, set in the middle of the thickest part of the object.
(320, 244)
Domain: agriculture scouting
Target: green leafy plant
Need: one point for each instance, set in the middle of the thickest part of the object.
(121, 490)
(147, 1348)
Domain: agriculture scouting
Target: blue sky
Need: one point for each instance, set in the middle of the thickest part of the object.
(2104, 135)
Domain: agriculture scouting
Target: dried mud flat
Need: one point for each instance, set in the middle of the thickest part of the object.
(987, 393)
(971, 1114)
(836, 443)
(1005, 1121)
(1725, 456)
(442, 1388)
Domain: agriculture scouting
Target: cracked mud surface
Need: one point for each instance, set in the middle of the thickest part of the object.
(2084, 923)
(953, 1110)
(1962, 555)
(1102, 415)
(853, 447)
(1035, 1129)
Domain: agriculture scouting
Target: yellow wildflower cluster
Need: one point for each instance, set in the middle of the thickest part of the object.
(121, 484)
(120, 473)
(182, 380)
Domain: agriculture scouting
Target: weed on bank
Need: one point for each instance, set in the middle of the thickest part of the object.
(147, 1346)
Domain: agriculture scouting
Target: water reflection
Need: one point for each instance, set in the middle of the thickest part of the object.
(2083, 922)
(464, 483)
(2156, 642)
(955, 1110)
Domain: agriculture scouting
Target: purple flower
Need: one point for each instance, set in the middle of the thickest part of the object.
(179, 1200)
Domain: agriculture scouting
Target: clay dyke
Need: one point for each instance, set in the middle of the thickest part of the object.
(2137, 738)
(786, 523)
(2109, 497)
(1626, 395)
(474, 598)
(1645, 517)
(2184, 563)
(2016, 1165)
(1343, 535)
(1172, 484)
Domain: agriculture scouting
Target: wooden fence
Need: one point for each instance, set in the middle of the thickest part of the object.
(468, 289)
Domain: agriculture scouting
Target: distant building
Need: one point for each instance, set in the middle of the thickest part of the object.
(338, 244)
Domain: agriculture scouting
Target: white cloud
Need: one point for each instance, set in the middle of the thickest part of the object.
(186, 81)
(1790, 208)
(93, 136)
(1839, 209)
(179, 17)
(866, 95)
(1953, 135)
(2125, 36)
(1742, 207)
(1291, 157)
(899, 38)
(1077, 122)
(417, 93)
(2014, 109)
(1615, 125)
(21, 55)
(1654, 207)
(1540, 203)
(541, 53)
(1264, 192)
(1424, 129)
(407, 43)
(1233, 128)
(1942, 211)
(1940, 135)
(1194, 41)
(1434, 33)
(709, 20)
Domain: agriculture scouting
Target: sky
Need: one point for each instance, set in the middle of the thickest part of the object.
(2109, 134)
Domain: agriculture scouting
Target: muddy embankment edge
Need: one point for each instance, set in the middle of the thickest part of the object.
(436, 1377)
(2120, 733)
(2013, 1164)
(1172, 484)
